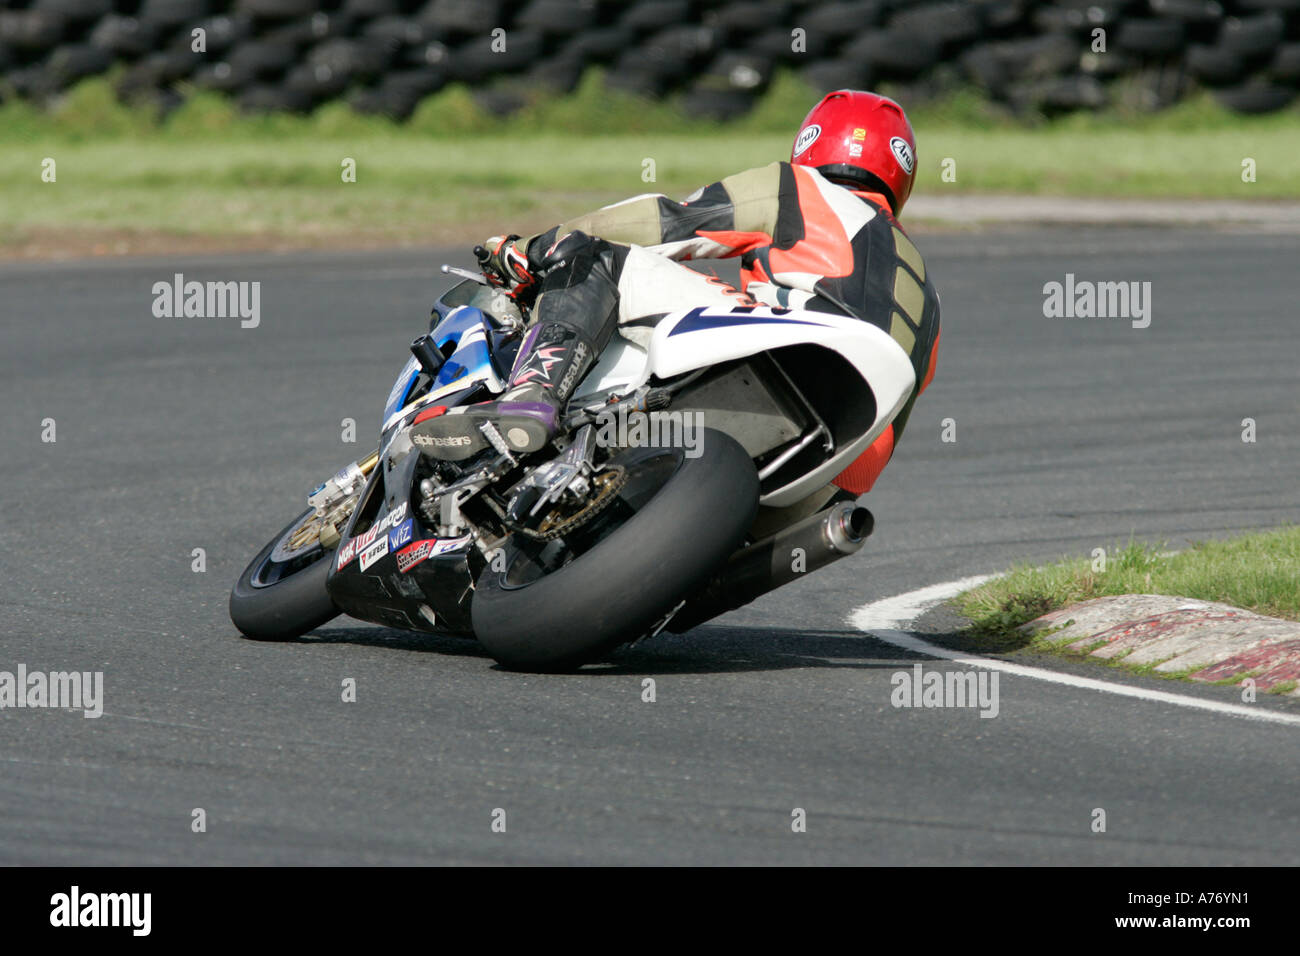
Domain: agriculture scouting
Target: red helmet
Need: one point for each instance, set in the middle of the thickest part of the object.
(862, 138)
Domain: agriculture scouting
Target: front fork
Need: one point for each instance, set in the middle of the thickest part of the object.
(326, 500)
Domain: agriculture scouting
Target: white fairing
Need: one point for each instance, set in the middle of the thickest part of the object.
(685, 341)
(621, 364)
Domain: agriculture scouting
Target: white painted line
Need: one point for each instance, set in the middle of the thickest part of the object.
(883, 619)
(903, 609)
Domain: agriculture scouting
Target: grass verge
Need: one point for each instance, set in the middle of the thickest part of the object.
(208, 172)
(1259, 572)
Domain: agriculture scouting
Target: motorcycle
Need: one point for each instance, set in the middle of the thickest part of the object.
(692, 473)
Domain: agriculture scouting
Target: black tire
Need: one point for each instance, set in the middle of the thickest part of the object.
(220, 34)
(748, 72)
(397, 33)
(476, 60)
(1252, 36)
(262, 58)
(1215, 66)
(316, 82)
(1285, 65)
(838, 75)
(556, 17)
(1147, 36)
(556, 75)
(409, 87)
(1256, 96)
(1189, 11)
(1038, 58)
(747, 17)
(359, 59)
(67, 64)
(618, 589)
(600, 43)
(1269, 4)
(276, 9)
(650, 15)
(222, 76)
(463, 17)
(717, 104)
(371, 9)
(274, 98)
(432, 54)
(836, 22)
(174, 13)
(894, 53)
(984, 67)
(32, 82)
(1073, 20)
(124, 37)
(74, 11)
(500, 101)
(1062, 94)
(951, 24)
(672, 54)
(1004, 16)
(637, 82)
(29, 29)
(289, 606)
(777, 43)
(1110, 65)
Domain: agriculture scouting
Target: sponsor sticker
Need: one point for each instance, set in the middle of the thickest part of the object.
(410, 556)
(361, 542)
(903, 153)
(374, 552)
(435, 441)
(807, 136)
(400, 535)
(394, 516)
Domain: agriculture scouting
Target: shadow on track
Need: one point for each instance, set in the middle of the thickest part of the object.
(704, 650)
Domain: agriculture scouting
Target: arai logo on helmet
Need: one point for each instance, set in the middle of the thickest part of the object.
(807, 136)
(902, 153)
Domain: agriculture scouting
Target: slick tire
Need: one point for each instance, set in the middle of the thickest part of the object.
(290, 606)
(617, 590)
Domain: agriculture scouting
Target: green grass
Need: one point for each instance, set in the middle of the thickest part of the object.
(1259, 572)
(452, 170)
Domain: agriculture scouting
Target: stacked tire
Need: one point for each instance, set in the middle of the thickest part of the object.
(718, 56)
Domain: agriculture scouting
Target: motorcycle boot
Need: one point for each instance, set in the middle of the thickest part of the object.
(575, 315)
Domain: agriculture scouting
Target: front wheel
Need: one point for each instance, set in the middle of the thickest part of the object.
(558, 604)
(281, 594)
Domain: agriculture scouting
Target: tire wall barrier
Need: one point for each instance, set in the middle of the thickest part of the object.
(383, 56)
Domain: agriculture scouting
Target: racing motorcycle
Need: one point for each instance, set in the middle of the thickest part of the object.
(617, 529)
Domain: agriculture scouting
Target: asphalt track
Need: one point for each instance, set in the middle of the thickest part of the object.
(175, 434)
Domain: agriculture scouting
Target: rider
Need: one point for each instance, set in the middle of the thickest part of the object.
(819, 232)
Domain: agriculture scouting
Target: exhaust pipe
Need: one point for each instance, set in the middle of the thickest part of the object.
(823, 539)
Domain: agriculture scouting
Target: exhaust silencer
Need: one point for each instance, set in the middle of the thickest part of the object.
(809, 545)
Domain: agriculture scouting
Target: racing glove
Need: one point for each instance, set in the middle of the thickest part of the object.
(504, 261)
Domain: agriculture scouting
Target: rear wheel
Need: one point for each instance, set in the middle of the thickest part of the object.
(554, 605)
(281, 594)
